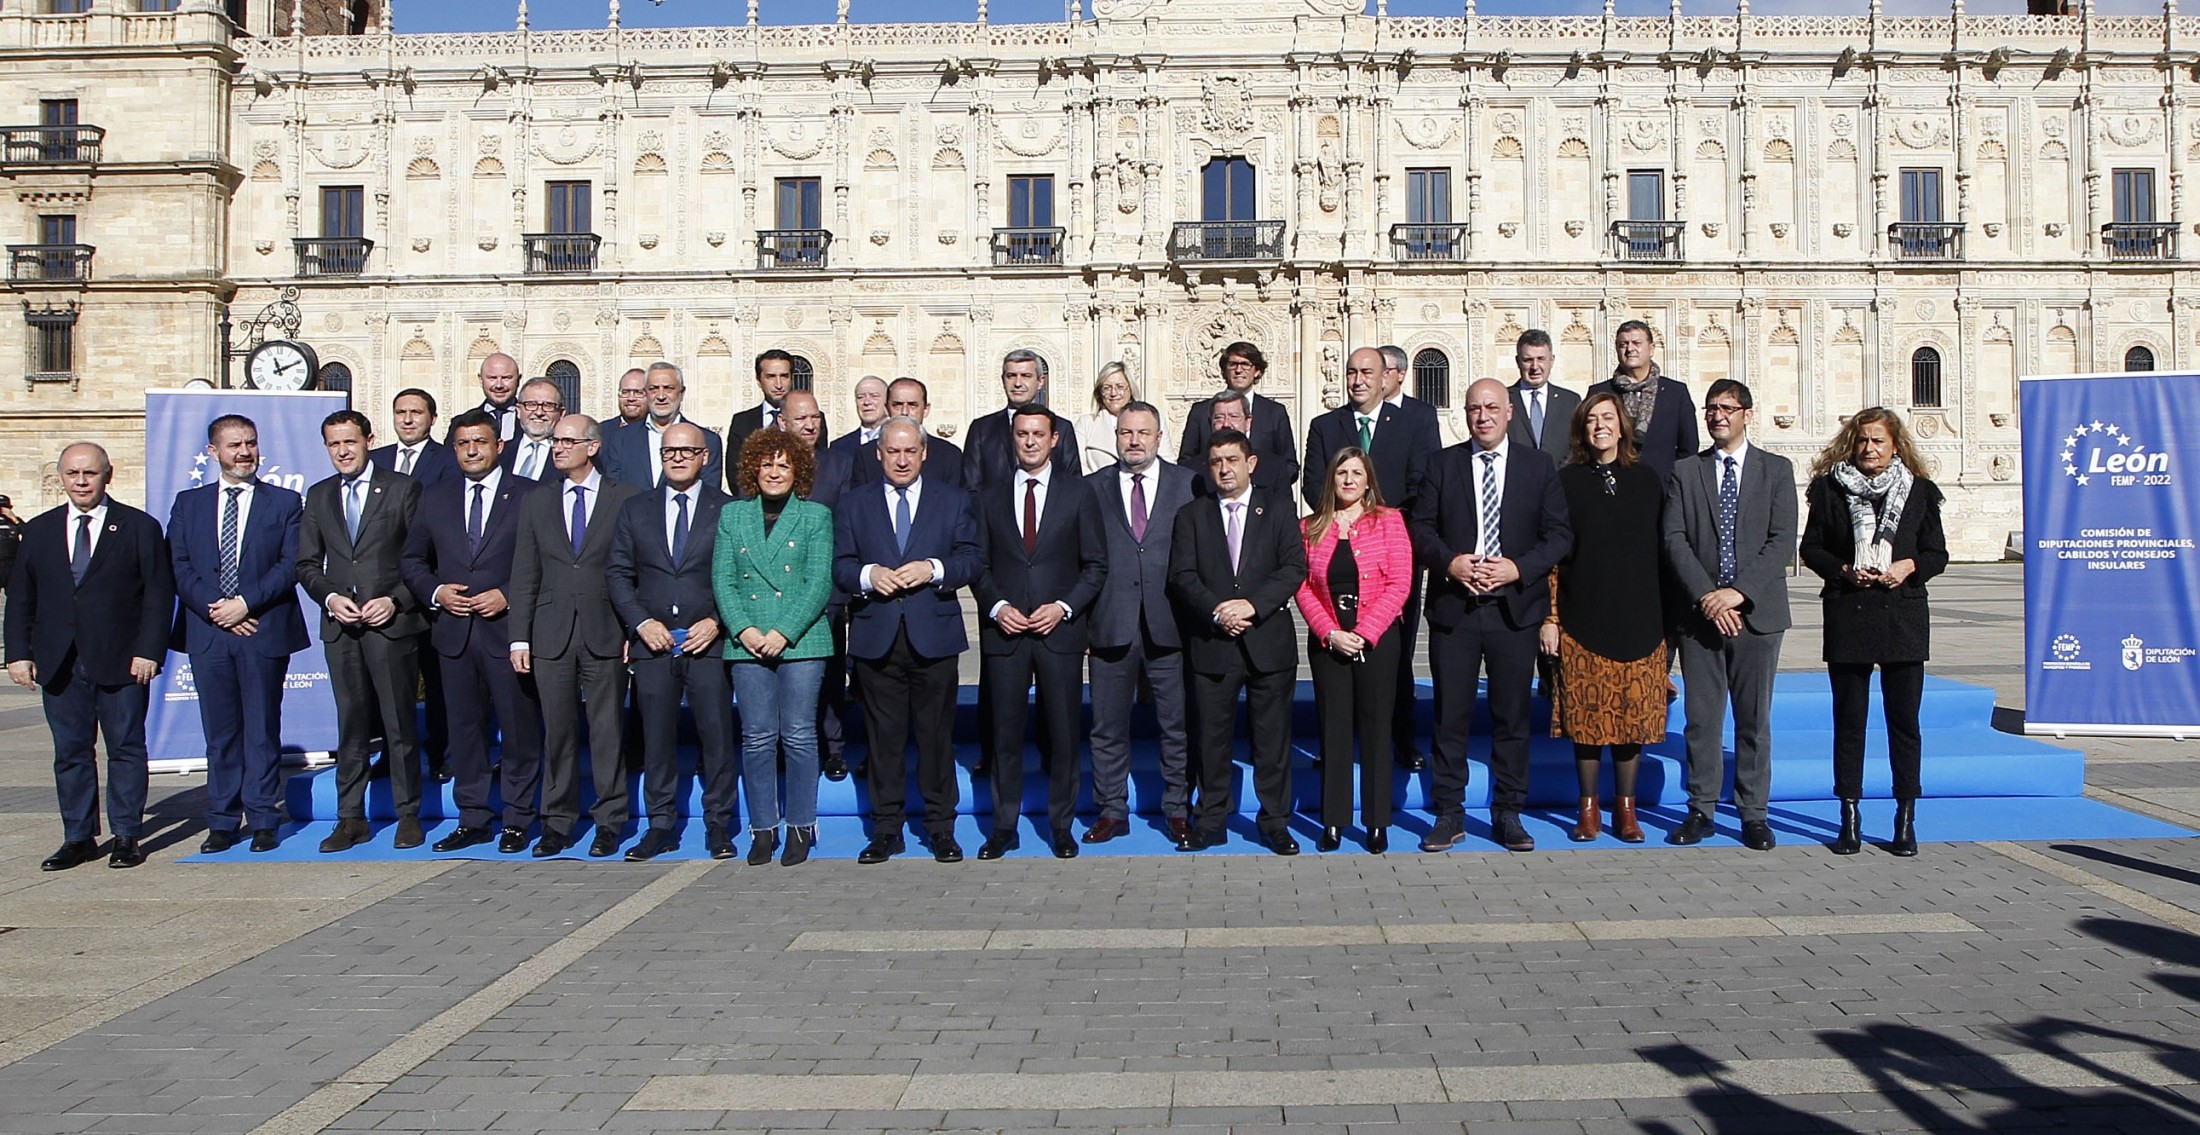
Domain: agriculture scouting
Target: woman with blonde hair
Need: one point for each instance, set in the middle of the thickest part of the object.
(1111, 391)
(1874, 536)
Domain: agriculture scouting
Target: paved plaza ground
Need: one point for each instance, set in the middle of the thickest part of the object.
(2001, 986)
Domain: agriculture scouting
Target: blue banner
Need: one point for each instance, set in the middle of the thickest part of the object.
(2111, 576)
(291, 455)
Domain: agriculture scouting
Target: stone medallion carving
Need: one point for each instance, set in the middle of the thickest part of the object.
(341, 152)
(1029, 141)
(796, 144)
(1225, 107)
(1428, 132)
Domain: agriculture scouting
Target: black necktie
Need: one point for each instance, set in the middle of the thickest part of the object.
(80, 555)
(680, 529)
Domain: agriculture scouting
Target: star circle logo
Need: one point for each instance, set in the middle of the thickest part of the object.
(2065, 647)
(2107, 430)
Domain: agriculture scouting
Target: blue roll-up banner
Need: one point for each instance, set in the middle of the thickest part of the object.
(2111, 575)
(292, 456)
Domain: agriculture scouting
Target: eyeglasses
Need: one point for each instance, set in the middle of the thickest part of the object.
(539, 407)
(681, 452)
(1723, 410)
(558, 441)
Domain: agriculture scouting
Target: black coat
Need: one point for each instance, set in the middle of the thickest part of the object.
(122, 610)
(1874, 624)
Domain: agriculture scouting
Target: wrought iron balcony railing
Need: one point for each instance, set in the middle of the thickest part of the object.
(1025, 248)
(1651, 241)
(332, 255)
(552, 254)
(1428, 241)
(1925, 240)
(792, 248)
(2126, 240)
(50, 145)
(1226, 240)
(60, 263)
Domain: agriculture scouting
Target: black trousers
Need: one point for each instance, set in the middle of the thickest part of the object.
(905, 691)
(474, 682)
(78, 713)
(1404, 740)
(569, 684)
(375, 678)
(1214, 717)
(1902, 687)
(832, 695)
(658, 686)
(1458, 655)
(1355, 700)
(1060, 680)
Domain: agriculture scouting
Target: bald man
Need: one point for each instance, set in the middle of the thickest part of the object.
(499, 377)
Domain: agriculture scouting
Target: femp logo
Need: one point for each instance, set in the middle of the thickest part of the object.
(2099, 451)
(2065, 653)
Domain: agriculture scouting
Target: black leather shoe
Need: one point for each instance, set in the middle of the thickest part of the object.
(218, 842)
(1378, 840)
(348, 834)
(1447, 833)
(409, 834)
(1691, 831)
(439, 772)
(264, 839)
(1412, 762)
(463, 837)
(1851, 839)
(882, 849)
(719, 842)
(946, 850)
(74, 853)
(762, 846)
(1331, 839)
(1282, 844)
(1506, 830)
(998, 844)
(983, 770)
(605, 844)
(655, 843)
(552, 844)
(1904, 843)
(799, 843)
(834, 768)
(513, 841)
(1065, 845)
(1757, 835)
(126, 854)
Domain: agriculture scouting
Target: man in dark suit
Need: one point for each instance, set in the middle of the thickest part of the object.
(458, 563)
(774, 378)
(871, 413)
(348, 547)
(234, 546)
(91, 600)
(415, 453)
(633, 453)
(528, 456)
(565, 633)
(659, 581)
(989, 457)
(1489, 526)
(1663, 410)
(943, 459)
(1044, 562)
(1235, 561)
(1268, 424)
(1729, 536)
(1133, 628)
(499, 375)
(902, 550)
(1542, 410)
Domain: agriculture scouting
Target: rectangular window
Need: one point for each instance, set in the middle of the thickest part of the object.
(1428, 196)
(1921, 196)
(801, 204)
(69, 7)
(53, 340)
(57, 229)
(1645, 195)
(343, 211)
(159, 5)
(569, 207)
(1031, 201)
(2133, 196)
(1227, 191)
(57, 112)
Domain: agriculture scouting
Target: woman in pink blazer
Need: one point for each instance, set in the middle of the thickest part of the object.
(1360, 567)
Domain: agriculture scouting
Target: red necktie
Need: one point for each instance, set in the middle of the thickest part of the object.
(1031, 515)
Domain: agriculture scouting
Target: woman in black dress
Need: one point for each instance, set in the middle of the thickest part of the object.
(1874, 536)
(1606, 625)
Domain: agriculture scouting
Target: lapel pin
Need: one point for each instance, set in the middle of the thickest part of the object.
(114, 528)
(1260, 512)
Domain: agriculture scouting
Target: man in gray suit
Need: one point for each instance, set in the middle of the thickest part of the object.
(1133, 628)
(567, 634)
(1729, 535)
(1543, 412)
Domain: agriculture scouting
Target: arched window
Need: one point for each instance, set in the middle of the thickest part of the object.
(803, 373)
(1925, 377)
(336, 376)
(1432, 378)
(567, 374)
(2139, 358)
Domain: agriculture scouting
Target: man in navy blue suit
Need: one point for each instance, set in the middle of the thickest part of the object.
(415, 453)
(234, 546)
(458, 563)
(634, 453)
(902, 550)
(90, 605)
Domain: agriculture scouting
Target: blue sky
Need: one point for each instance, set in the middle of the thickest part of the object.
(495, 15)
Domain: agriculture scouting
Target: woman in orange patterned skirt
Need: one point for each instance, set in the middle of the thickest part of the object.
(1606, 624)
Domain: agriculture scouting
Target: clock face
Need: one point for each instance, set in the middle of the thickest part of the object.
(279, 365)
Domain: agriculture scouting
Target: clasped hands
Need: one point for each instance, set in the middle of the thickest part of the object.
(233, 615)
(1723, 606)
(453, 597)
(1482, 574)
(890, 582)
(700, 635)
(1890, 577)
(1040, 622)
(1234, 616)
(373, 613)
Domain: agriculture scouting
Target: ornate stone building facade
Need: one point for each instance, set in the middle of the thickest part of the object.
(1844, 210)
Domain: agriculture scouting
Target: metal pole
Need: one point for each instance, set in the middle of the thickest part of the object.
(225, 346)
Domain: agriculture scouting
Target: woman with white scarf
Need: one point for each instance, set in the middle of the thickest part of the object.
(1874, 536)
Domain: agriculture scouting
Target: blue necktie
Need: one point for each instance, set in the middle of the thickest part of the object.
(580, 519)
(1730, 501)
(1491, 545)
(473, 522)
(229, 540)
(1535, 414)
(352, 508)
(680, 529)
(901, 521)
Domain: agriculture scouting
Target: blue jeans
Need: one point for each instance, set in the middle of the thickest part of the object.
(778, 704)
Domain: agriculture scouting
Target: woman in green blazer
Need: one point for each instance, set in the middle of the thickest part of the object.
(772, 572)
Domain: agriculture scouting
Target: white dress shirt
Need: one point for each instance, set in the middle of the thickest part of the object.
(98, 513)
(916, 495)
(407, 458)
(1503, 450)
(533, 459)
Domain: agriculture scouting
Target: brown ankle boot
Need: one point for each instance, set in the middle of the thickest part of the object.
(1623, 820)
(1586, 828)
